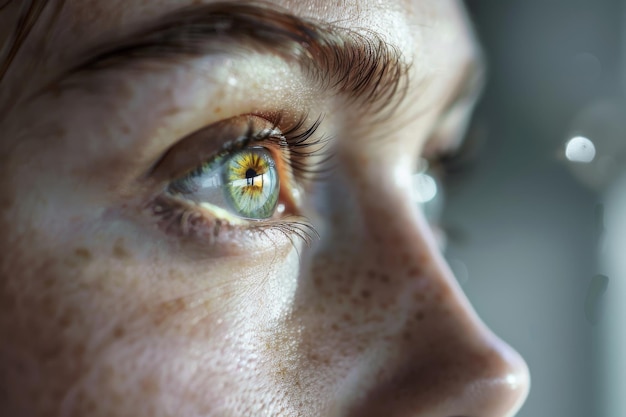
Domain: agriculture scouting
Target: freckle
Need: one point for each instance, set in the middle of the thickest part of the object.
(119, 332)
(347, 317)
(119, 251)
(49, 282)
(67, 318)
(384, 278)
(334, 327)
(79, 351)
(405, 258)
(90, 406)
(320, 309)
(217, 110)
(175, 274)
(83, 253)
(419, 316)
(168, 309)
(149, 385)
(6, 202)
(407, 336)
(366, 294)
(371, 274)
(422, 259)
(51, 353)
(414, 272)
(317, 280)
(419, 297)
(171, 111)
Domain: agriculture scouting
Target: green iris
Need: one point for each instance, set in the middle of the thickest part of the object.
(251, 183)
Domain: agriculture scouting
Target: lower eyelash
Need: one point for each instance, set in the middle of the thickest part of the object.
(186, 220)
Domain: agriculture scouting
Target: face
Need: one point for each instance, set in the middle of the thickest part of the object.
(208, 209)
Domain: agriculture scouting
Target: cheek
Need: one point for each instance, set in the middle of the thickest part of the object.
(153, 336)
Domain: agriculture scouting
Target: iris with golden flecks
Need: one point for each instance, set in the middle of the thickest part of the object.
(252, 183)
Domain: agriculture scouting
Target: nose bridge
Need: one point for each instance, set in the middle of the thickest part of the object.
(403, 301)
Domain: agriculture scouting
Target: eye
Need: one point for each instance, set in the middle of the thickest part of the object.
(246, 182)
(246, 173)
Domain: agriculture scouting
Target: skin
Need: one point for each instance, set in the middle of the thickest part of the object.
(104, 313)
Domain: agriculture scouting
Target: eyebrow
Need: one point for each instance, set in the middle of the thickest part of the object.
(361, 66)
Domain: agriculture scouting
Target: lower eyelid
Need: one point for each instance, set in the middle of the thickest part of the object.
(199, 219)
(191, 224)
(186, 220)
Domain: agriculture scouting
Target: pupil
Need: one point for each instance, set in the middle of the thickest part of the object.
(250, 173)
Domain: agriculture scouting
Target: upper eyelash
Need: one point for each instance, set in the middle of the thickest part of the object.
(302, 144)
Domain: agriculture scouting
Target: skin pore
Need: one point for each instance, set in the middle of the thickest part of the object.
(122, 295)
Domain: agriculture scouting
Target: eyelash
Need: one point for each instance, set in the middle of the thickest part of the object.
(301, 150)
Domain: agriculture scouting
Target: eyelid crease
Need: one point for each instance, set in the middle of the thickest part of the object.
(363, 67)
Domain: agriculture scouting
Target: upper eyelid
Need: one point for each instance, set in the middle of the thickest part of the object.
(362, 67)
(229, 135)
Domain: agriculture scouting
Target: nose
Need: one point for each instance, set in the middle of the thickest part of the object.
(433, 356)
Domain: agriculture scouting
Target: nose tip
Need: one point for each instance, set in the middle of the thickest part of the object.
(481, 376)
(495, 385)
(501, 389)
(487, 380)
(516, 384)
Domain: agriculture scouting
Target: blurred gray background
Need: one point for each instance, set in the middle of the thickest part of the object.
(522, 219)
